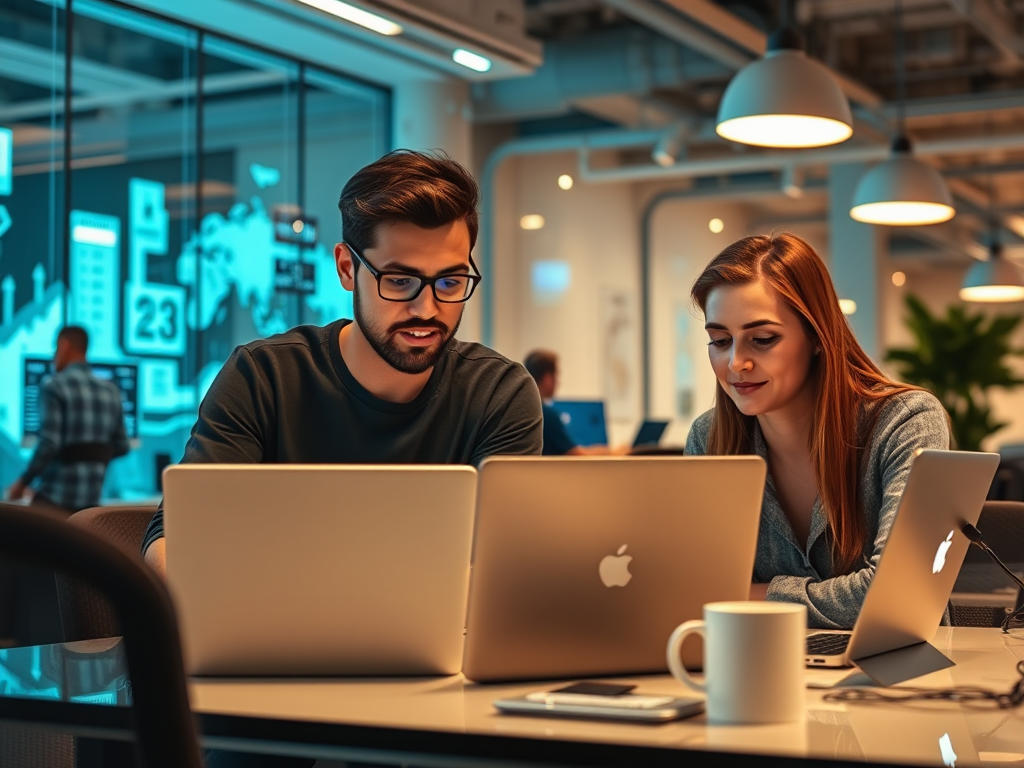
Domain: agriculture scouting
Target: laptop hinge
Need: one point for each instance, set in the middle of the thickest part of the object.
(903, 664)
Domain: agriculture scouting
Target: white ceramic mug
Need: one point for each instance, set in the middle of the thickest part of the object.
(753, 661)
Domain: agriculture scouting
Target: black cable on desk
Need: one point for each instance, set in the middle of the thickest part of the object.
(975, 537)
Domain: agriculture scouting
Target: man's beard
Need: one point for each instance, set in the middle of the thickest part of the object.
(413, 360)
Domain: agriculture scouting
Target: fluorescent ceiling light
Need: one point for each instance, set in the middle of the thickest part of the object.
(356, 16)
(473, 61)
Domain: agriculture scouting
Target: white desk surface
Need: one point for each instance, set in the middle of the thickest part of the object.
(883, 732)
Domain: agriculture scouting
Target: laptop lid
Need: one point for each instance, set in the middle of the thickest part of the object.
(295, 569)
(650, 433)
(922, 556)
(584, 420)
(584, 566)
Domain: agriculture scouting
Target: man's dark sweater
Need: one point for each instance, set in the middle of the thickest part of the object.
(291, 399)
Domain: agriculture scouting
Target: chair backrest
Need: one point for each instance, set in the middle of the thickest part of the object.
(85, 613)
(165, 728)
(1002, 526)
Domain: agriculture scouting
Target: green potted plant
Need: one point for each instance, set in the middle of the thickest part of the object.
(959, 357)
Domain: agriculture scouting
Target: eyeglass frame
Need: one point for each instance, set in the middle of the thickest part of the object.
(425, 280)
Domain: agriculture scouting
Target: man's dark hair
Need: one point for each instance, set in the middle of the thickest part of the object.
(76, 336)
(427, 189)
(540, 363)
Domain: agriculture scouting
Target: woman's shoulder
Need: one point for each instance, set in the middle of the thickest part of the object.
(697, 440)
(915, 414)
(909, 402)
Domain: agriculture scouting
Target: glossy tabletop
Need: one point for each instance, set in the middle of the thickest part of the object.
(451, 720)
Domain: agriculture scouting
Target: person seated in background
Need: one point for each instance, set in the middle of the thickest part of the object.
(393, 385)
(838, 435)
(543, 366)
(81, 430)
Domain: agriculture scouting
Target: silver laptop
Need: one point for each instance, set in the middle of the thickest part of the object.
(297, 569)
(584, 566)
(920, 562)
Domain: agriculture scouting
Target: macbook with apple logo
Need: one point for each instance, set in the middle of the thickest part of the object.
(583, 566)
(915, 574)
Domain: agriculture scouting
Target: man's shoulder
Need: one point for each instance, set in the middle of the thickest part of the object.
(311, 337)
(470, 355)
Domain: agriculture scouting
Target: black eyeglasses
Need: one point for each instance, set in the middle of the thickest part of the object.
(404, 286)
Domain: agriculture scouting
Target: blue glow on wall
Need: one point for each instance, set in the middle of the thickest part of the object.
(550, 280)
(6, 160)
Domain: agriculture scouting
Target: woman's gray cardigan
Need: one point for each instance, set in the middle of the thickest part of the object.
(906, 422)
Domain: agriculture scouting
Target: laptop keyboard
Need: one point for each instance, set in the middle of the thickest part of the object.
(827, 644)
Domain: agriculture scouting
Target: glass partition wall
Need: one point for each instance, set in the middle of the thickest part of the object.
(199, 213)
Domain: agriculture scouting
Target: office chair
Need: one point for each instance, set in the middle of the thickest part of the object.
(85, 612)
(1002, 526)
(166, 734)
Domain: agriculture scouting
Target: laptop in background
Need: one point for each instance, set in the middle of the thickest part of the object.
(584, 566)
(650, 433)
(293, 569)
(584, 420)
(915, 575)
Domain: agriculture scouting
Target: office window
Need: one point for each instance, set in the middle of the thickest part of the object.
(201, 212)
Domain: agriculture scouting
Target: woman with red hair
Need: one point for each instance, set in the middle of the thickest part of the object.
(838, 435)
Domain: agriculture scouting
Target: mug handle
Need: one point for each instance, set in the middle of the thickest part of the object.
(675, 644)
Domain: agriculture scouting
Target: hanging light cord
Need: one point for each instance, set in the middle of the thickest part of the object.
(901, 74)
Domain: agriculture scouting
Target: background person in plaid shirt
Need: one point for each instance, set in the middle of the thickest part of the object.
(81, 430)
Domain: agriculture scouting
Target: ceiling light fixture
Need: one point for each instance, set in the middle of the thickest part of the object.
(356, 15)
(902, 191)
(784, 99)
(471, 60)
(997, 279)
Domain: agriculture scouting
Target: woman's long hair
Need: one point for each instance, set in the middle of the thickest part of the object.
(845, 378)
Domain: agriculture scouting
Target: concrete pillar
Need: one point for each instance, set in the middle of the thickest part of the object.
(434, 114)
(855, 250)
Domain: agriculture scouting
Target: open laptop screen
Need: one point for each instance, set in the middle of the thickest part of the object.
(584, 420)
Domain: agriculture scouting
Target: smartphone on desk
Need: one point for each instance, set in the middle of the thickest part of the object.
(607, 701)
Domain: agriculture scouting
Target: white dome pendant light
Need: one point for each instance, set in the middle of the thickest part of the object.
(784, 99)
(995, 280)
(902, 191)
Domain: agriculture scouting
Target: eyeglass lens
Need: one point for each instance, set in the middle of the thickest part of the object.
(451, 288)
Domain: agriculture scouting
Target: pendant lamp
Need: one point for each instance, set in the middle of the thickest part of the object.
(995, 280)
(902, 191)
(784, 99)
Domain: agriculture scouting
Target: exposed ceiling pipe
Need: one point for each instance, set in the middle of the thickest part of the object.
(739, 34)
(752, 162)
(621, 61)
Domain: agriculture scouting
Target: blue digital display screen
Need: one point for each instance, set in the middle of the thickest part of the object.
(36, 372)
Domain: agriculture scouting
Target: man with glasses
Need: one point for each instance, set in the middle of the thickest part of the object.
(393, 385)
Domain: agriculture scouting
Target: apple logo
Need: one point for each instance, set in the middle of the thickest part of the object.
(946, 748)
(940, 555)
(614, 569)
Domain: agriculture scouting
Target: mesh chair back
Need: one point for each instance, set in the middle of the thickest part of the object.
(1002, 526)
(165, 729)
(85, 613)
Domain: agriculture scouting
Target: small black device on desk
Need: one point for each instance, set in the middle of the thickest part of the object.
(610, 701)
